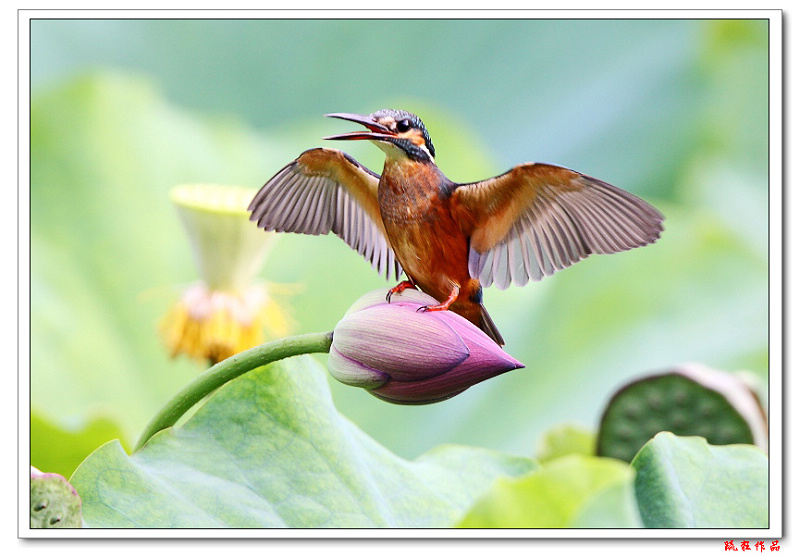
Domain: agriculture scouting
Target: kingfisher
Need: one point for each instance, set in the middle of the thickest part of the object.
(450, 239)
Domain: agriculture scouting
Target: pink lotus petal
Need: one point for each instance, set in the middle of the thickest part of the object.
(400, 341)
(350, 372)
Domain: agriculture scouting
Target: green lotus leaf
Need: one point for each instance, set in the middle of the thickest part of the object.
(574, 491)
(565, 439)
(270, 450)
(60, 450)
(683, 482)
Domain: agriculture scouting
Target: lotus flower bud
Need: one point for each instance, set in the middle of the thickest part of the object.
(407, 356)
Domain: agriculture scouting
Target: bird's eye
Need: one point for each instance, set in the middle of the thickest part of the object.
(403, 126)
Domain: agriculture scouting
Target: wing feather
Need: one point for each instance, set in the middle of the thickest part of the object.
(537, 219)
(322, 191)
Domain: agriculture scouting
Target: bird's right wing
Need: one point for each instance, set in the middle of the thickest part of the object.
(538, 218)
(326, 190)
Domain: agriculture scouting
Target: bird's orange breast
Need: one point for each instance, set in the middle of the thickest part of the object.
(426, 239)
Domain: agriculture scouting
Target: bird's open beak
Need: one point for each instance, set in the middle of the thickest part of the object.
(377, 131)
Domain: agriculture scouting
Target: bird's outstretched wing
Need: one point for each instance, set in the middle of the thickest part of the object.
(538, 218)
(326, 190)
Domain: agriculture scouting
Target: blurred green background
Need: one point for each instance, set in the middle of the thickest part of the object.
(674, 111)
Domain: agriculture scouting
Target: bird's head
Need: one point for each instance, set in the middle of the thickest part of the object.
(397, 132)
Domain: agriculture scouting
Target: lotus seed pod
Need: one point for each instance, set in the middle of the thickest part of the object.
(689, 400)
(54, 502)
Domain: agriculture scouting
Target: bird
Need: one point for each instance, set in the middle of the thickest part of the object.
(450, 239)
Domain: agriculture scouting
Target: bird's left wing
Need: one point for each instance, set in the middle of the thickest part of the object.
(326, 190)
(538, 218)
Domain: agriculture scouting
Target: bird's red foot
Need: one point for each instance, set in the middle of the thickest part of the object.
(398, 289)
(444, 305)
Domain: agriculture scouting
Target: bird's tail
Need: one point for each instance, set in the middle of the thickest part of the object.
(488, 327)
